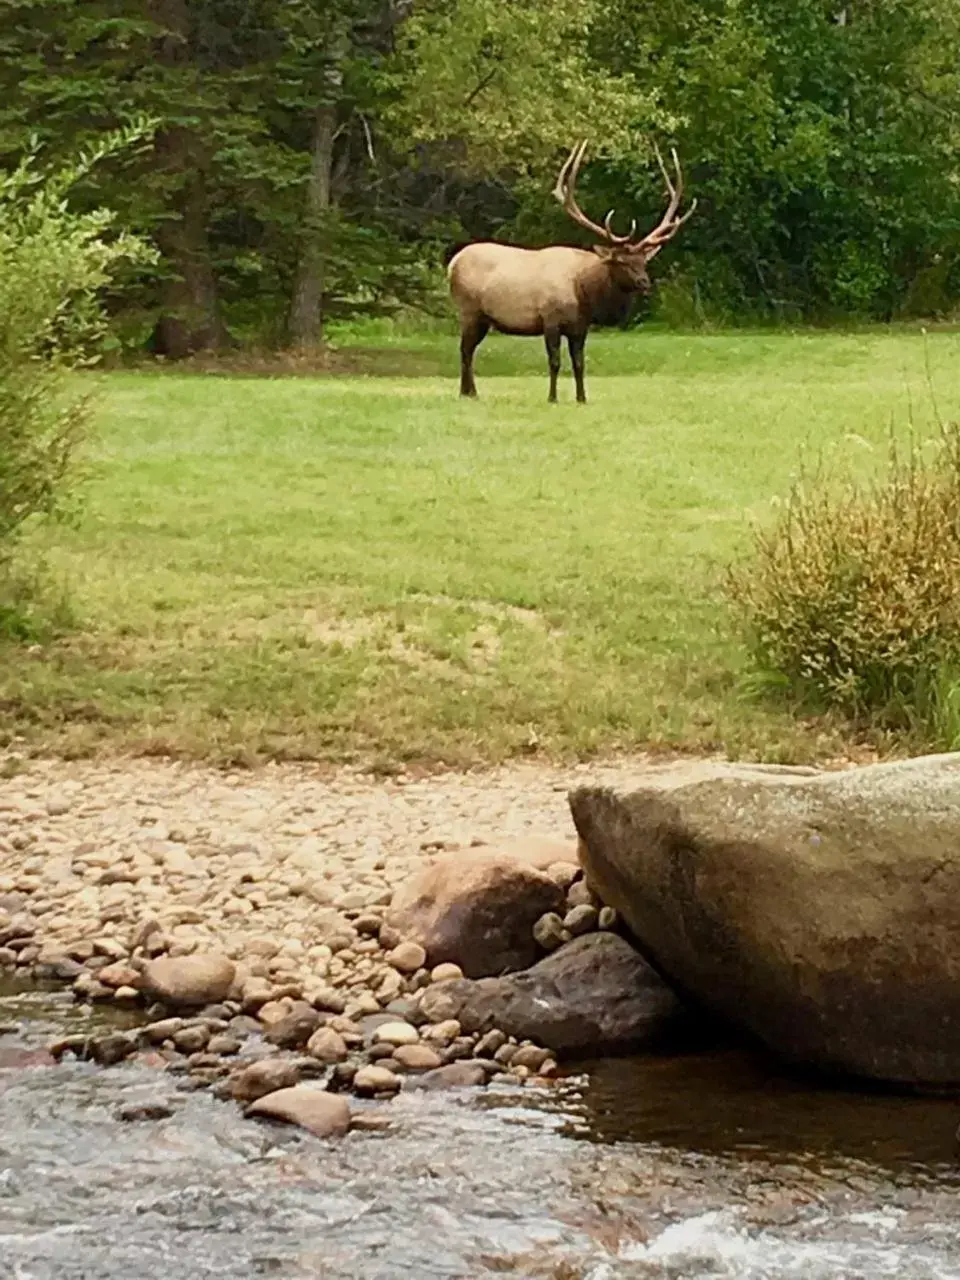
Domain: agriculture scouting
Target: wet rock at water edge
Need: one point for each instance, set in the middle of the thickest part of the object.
(415, 1057)
(326, 1115)
(820, 914)
(372, 1080)
(260, 1078)
(134, 1111)
(107, 1050)
(456, 1075)
(594, 994)
(188, 980)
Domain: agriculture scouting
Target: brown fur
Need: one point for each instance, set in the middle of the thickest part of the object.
(557, 292)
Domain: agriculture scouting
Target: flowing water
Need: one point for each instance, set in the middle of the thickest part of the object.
(709, 1165)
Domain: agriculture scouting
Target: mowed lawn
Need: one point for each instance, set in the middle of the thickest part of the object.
(367, 568)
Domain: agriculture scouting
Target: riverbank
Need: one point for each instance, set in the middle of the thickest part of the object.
(269, 888)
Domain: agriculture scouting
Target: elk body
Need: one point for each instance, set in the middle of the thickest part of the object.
(558, 292)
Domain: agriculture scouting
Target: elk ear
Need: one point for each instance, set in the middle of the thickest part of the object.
(603, 252)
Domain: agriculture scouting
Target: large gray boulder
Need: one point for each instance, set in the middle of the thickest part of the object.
(821, 914)
(595, 995)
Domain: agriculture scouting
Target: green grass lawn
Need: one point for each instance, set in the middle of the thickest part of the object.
(365, 567)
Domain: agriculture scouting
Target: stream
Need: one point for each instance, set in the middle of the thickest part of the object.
(706, 1165)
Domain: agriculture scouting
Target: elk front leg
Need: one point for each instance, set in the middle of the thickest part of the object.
(576, 343)
(472, 334)
(552, 339)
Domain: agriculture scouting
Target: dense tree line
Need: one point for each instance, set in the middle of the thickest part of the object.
(319, 157)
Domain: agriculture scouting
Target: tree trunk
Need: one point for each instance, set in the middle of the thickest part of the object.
(189, 308)
(189, 311)
(306, 311)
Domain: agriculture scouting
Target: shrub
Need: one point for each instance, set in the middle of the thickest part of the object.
(54, 263)
(852, 597)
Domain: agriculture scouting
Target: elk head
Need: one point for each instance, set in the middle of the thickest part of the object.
(627, 257)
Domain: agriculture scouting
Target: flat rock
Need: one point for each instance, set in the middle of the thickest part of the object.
(596, 994)
(326, 1115)
(821, 914)
(261, 1078)
(188, 980)
(455, 1075)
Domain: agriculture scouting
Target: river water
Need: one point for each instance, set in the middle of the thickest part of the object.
(710, 1165)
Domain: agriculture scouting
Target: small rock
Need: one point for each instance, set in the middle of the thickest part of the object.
(109, 1049)
(563, 873)
(580, 895)
(582, 919)
(607, 918)
(457, 1075)
(165, 1029)
(549, 931)
(296, 1028)
(224, 1045)
(326, 1115)
(189, 980)
(374, 1079)
(530, 1056)
(325, 998)
(417, 1057)
(408, 957)
(191, 1039)
(144, 1111)
(118, 974)
(260, 1078)
(396, 1033)
(442, 1032)
(57, 805)
(438, 1005)
(327, 1046)
(488, 1044)
(447, 972)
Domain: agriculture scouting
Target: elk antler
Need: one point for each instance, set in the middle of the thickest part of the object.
(669, 224)
(563, 191)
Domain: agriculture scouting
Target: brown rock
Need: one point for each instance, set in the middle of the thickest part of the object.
(820, 914)
(188, 980)
(445, 973)
(293, 1031)
(408, 957)
(119, 975)
(456, 1075)
(417, 1057)
(327, 1046)
(476, 910)
(375, 1079)
(260, 1078)
(326, 1115)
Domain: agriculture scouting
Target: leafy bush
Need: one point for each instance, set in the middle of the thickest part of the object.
(54, 263)
(852, 597)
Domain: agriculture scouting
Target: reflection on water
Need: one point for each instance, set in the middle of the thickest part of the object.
(705, 1166)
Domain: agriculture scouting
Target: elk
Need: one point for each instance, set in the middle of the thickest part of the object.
(559, 291)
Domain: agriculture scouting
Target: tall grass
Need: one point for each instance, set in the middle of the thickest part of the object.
(852, 596)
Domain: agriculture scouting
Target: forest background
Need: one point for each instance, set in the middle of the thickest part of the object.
(317, 159)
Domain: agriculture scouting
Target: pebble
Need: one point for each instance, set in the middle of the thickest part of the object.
(131, 1111)
(327, 1046)
(447, 972)
(326, 1115)
(580, 920)
(417, 1057)
(607, 918)
(408, 957)
(372, 1080)
(396, 1033)
(549, 931)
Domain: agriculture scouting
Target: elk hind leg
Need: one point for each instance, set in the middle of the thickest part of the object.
(472, 333)
(576, 343)
(551, 338)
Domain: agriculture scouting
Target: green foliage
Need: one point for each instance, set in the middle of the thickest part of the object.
(853, 594)
(54, 264)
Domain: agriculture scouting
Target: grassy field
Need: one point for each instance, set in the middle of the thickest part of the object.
(364, 567)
